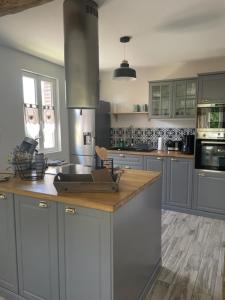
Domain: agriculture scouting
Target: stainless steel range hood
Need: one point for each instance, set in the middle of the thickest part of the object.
(81, 53)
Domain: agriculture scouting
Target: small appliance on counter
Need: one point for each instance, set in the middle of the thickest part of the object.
(174, 145)
(188, 144)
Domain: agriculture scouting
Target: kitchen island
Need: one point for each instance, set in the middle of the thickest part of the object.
(99, 246)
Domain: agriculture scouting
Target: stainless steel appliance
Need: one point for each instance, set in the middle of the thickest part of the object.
(173, 145)
(210, 142)
(82, 78)
(82, 136)
(81, 53)
(88, 127)
(210, 150)
(211, 116)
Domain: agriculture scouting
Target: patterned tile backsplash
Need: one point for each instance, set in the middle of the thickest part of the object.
(147, 135)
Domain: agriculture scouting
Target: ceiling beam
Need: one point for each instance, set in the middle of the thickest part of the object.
(14, 6)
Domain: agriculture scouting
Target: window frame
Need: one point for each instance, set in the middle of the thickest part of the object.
(38, 98)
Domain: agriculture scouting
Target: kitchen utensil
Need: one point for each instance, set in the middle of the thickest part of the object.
(28, 145)
(101, 152)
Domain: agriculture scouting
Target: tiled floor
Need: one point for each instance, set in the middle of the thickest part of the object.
(192, 258)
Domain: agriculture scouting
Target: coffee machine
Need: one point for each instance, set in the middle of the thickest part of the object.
(188, 144)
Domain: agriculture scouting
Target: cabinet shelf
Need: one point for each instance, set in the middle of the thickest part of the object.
(130, 113)
(116, 114)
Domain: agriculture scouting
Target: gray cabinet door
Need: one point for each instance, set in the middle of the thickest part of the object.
(179, 182)
(160, 97)
(8, 264)
(211, 88)
(85, 255)
(37, 248)
(158, 164)
(209, 191)
(184, 98)
(127, 161)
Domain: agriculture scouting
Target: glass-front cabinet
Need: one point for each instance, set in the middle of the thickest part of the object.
(173, 99)
(161, 96)
(184, 98)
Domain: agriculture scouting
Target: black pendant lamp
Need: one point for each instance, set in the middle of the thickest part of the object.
(124, 72)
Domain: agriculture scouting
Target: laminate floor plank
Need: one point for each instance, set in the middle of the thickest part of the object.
(192, 258)
(159, 291)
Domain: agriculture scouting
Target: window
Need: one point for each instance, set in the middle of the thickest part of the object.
(40, 111)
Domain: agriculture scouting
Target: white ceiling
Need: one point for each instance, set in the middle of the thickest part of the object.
(163, 31)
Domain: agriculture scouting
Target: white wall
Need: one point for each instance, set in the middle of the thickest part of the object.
(128, 93)
(11, 99)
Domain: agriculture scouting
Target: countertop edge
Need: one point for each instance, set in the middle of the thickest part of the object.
(116, 207)
(160, 153)
(74, 199)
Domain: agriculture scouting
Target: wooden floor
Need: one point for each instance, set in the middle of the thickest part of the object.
(192, 258)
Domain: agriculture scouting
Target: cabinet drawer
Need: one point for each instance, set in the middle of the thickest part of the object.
(127, 161)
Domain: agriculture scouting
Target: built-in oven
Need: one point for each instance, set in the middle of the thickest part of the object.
(210, 150)
(211, 116)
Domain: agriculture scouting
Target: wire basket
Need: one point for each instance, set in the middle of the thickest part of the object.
(29, 170)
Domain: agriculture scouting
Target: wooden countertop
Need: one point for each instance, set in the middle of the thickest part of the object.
(164, 153)
(131, 183)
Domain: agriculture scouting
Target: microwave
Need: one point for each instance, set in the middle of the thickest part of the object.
(211, 116)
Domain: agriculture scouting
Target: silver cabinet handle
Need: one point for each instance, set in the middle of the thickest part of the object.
(43, 204)
(121, 155)
(3, 196)
(202, 174)
(70, 210)
(213, 143)
(159, 158)
(174, 159)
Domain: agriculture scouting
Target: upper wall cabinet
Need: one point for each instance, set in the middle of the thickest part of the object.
(160, 99)
(173, 99)
(211, 88)
(184, 98)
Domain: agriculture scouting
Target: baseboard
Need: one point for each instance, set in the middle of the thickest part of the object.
(195, 212)
(151, 281)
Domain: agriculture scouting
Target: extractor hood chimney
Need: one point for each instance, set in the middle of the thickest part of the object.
(81, 53)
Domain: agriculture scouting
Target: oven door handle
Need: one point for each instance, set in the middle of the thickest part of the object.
(213, 143)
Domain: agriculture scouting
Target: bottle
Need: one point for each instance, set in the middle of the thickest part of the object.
(121, 143)
(160, 143)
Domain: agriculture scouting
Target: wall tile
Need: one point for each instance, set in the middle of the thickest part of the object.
(147, 135)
